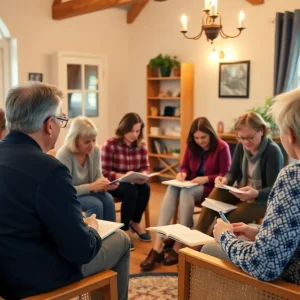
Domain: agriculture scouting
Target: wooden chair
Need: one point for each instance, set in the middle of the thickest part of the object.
(147, 212)
(214, 279)
(101, 286)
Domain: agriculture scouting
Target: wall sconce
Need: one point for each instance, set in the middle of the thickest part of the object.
(216, 54)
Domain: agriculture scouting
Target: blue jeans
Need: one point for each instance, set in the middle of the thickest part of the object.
(101, 204)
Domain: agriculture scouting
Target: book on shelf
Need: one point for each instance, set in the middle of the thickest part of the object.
(183, 234)
(229, 188)
(218, 205)
(134, 177)
(106, 228)
(158, 147)
(178, 183)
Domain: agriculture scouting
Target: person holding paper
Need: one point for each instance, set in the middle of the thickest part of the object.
(205, 158)
(3, 129)
(123, 154)
(256, 163)
(45, 243)
(82, 157)
(275, 248)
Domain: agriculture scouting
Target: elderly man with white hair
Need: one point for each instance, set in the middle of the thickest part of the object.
(274, 248)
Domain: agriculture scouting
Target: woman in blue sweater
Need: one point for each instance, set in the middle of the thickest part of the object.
(275, 248)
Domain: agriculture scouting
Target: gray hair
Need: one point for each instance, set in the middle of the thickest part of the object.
(30, 104)
(286, 112)
(80, 127)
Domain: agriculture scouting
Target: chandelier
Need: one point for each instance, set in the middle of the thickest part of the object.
(212, 23)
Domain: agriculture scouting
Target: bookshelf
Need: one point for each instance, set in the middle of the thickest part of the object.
(167, 134)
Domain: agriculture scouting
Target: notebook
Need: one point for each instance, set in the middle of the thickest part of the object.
(218, 205)
(230, 188)
(178, 183)
(183, 234)
(133, 177)
(106, 228)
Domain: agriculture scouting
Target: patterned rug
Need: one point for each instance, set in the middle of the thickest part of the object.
(153, 286)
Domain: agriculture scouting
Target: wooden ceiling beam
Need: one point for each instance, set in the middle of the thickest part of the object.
(63, 10)
(135, 10)
(55, 2)
(256, 2)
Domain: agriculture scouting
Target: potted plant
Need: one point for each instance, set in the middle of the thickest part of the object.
(263, 111)
(164, 63)
(176, 152)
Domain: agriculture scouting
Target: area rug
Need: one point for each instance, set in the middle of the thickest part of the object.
(153, 286)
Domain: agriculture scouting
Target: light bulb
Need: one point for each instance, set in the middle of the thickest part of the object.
(241, 19)
(184, 22)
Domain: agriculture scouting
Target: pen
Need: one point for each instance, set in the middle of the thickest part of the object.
(223, 217)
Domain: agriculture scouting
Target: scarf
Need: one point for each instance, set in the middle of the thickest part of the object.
(255, 159)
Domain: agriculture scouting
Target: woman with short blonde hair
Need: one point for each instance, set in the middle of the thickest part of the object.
(82, 156)
(256, 163)
(273, 250)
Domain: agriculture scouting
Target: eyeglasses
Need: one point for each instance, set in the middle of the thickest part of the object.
(63, 120)
(247, 138)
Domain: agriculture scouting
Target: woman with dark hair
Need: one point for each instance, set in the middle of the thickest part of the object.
(3, 130)
(123, 154)
(256, 163)
(205, 158)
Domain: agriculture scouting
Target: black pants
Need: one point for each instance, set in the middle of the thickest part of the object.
(135, 198)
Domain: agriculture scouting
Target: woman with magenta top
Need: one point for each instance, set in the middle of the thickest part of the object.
(205, 158)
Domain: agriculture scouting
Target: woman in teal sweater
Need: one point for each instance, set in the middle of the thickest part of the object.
(82, 157)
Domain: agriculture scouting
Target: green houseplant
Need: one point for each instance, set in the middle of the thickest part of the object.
(263, 111)
(165, 63)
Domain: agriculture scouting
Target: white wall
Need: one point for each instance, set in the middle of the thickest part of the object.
(129, 48)
(157, 31)
(38, 36)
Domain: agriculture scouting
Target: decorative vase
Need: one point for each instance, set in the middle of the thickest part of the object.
(165, 71)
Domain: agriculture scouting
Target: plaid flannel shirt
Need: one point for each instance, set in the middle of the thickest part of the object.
(117, 157)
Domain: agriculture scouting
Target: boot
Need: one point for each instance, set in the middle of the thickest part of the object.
(153, 257)
(172, 258)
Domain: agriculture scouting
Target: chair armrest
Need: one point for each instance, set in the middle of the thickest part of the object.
(189, 257)
(86, 285)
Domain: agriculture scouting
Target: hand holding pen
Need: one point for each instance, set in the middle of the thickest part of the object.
(181, 176)
(221, 226)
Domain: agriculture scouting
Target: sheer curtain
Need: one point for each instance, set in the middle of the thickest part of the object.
(287, 50)
(296, 79)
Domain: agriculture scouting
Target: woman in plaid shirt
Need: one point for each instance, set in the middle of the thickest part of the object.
(123, 154)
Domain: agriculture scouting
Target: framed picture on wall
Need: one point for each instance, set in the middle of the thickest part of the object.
(35, 77)
(234, 79)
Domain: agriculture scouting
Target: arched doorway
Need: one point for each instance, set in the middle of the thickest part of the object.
(8, 62)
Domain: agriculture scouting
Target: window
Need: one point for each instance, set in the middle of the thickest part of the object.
(83, 90)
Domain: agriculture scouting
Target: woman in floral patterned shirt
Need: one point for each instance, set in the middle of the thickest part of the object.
(123, 154)
(275, 248)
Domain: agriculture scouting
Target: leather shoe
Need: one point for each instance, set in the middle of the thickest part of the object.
(169, 243)
(153, 257)
(172, 258)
